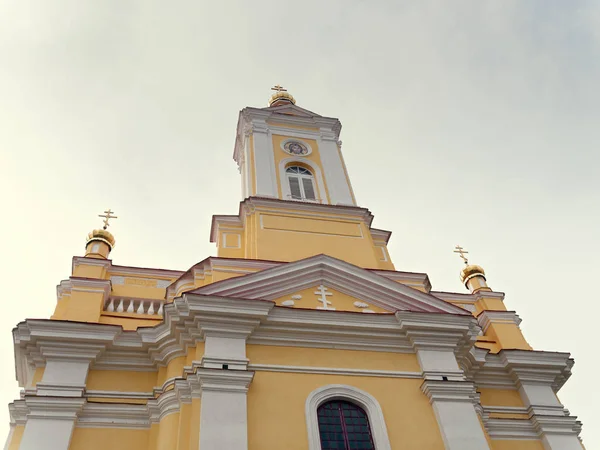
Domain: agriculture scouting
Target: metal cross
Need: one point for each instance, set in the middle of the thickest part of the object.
(323, 298)
(107, 216)
(278, 88)
(462, 253)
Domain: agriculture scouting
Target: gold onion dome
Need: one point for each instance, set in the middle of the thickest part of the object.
(102, 236)
(470, 271)
(281, 97)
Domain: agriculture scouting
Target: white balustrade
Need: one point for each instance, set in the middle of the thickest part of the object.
(134, 306)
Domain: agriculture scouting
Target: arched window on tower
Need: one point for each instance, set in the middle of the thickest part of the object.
(301, 182)
(344, 426)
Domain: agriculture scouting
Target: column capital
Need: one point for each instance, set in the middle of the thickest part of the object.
(450, 391)
(54, 408)
(220, 380)
(439, 331)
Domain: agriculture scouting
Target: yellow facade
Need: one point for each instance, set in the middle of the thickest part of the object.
(268, 321)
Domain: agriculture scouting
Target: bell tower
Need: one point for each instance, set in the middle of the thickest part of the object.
(297, 199)
(287, 152)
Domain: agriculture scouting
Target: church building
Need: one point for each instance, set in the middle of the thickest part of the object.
(300, 334)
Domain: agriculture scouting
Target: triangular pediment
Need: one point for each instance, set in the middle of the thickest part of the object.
(352, 283)
(292, 110)
(324, 297)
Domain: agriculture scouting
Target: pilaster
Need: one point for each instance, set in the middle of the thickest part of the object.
(223, 410)
(50, 422)
(538, 376)
(436, 341)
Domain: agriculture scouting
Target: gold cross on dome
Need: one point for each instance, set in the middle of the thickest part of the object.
(462, 252)
(107, 216)
(278, 88)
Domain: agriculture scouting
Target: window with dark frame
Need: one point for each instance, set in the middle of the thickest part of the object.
(344, 426)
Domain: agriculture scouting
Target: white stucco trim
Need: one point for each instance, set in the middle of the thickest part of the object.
(344, 392)
(316, 171)
(340, 191)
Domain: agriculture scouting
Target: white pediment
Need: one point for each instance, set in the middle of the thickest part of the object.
(286, 279)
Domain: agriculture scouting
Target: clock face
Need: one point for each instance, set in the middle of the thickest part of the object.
(295, 148)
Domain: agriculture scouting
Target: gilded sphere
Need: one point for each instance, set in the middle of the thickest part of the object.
(101, 235)
(281, 95)
(470, 271)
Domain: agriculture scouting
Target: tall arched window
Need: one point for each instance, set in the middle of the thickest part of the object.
(344, 426)
(301, 181)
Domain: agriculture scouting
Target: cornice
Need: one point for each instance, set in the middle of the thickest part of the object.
(96, 262)
(90, 285)
(487, 318)
(529, 366)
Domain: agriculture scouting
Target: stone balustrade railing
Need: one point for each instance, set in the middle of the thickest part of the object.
(134, 306)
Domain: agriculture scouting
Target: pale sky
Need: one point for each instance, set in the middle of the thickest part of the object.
(464, 122)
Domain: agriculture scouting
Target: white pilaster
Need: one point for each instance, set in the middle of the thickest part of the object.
(264, 160)
(338, 184)
(453, 399)
(223, 410)
(539, 375)
(454, 405)
(64, 378)
(222, 351)
(50, 423)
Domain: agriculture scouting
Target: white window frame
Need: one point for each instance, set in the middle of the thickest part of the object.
(349, 393)
(286, 194)
(301, 177)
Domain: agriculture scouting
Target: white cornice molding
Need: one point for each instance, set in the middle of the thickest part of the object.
(90, 285)
(553, 368)
(487, 318)
(96, 262)
(56, 408)
(450, 391)
(488, 294)
(439, 331)
(408, 278)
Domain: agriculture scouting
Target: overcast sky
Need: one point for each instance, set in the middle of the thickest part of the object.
(464, 122)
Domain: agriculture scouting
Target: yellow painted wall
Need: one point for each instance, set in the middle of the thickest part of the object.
(517, 445)
(288, 238)
(37, 376)
(129, 323)
(83, 307)
(89, 271)
(340, 301)
(195, 425)
(15, 442)
(121, 380)
(172, 370)
(183, 437)
(508, 336)
(276, 403)
(109, 438)
(500, 397)
(322, 357)
(167, 435)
